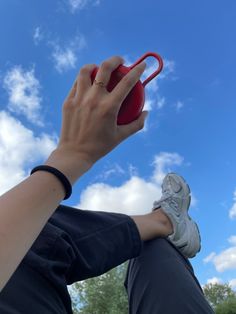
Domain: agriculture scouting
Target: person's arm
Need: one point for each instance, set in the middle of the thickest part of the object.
(26, 208)
(89, 131)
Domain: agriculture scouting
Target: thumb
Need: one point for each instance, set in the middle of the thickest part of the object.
(134, 126)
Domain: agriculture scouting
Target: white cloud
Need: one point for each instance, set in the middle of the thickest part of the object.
(168, 69)
(225, 260)
(38, 35)
(232, 240)
(194, 200)
(18, 148)
(152, 65)
(23, 90)
(153, 84)
(209, 257)
(214, 280)
(232, 283)
(114, 170)
(179, 105)
(136, 195)
(65, 58)
(133, 197)
(161, 102)
(64, 55)
(133, 171)
(232, 211)
(77, 5)
(217, 280)
(162, 162)
(154, 103)
(148, 104)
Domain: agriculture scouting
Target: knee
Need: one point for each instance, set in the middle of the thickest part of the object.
(158, 249)
(158, 260)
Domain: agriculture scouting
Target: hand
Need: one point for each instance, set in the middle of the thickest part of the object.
(89, 125)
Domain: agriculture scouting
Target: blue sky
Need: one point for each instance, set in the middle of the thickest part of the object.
(191, 124)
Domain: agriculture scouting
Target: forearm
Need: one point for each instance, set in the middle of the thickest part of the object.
(89, 132)
(26, 208)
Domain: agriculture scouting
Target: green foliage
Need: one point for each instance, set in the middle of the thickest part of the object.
(104, 294)
(218, 293)
(227, 307)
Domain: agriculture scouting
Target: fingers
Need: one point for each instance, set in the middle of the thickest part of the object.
(72, 92)
(84, 78)
(123, 88)
(133, 127)
(104, 73)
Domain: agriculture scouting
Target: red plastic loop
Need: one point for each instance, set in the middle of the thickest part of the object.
(160, 61)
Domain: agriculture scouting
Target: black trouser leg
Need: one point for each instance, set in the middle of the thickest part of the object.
(161, 281)
(74, 245)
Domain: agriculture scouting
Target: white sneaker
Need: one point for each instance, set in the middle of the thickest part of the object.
(175, 203)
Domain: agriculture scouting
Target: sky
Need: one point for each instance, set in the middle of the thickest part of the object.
(191, 126)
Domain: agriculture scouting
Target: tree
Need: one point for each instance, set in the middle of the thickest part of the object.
(218, 293)
(104, 294)
(227, 307)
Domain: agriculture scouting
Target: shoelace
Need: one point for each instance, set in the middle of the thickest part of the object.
(171, 198)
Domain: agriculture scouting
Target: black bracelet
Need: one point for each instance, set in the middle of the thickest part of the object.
(59, 175)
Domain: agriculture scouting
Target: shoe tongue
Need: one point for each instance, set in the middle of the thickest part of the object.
(175, 186)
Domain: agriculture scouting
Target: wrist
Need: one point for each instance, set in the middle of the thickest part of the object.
(72, 165)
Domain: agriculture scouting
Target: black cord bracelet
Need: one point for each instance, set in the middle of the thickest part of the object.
(59, 175)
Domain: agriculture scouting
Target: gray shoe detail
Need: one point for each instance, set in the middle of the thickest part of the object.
(175, 203)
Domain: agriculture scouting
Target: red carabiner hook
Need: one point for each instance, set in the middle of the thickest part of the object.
(160, 61)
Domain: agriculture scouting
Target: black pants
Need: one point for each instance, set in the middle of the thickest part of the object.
(78, 244)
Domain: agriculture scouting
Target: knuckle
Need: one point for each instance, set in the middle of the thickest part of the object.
(67, 106)
(117, 59)
(106, 66)
(85, 69)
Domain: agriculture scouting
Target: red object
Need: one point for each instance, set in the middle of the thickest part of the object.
(132, 106)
